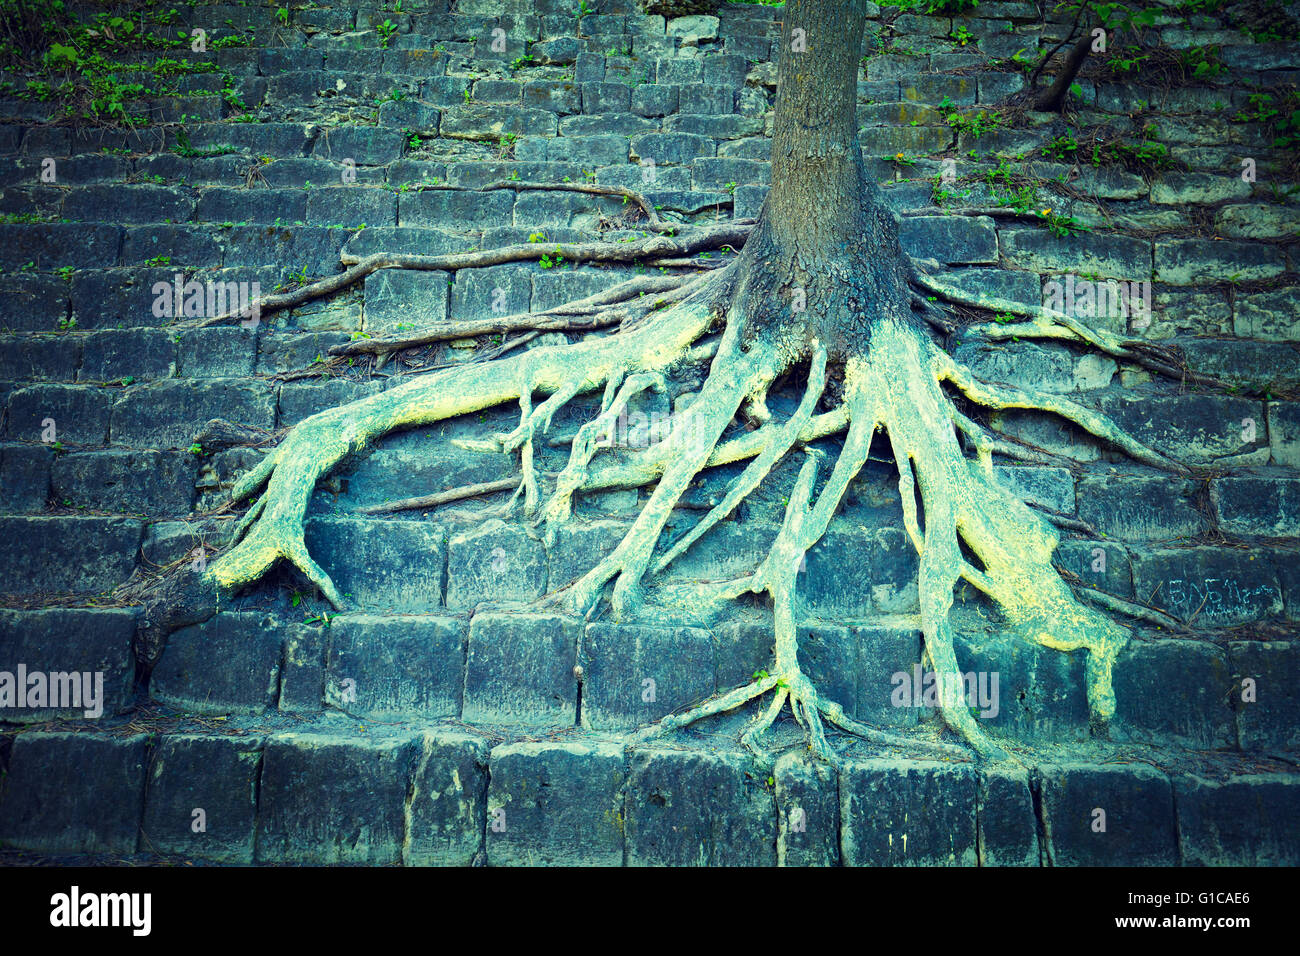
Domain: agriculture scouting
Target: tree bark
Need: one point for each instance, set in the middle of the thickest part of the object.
(815, 156)
(1053, 98)
(824, 260)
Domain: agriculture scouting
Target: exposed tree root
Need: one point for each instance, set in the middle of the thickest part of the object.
(317, 444)
(590, 438)
(822, 283)
(701, 239)
(1008, 396)
(993, 212)
(735, 375)
(802, 527)
(1063, 521)
(1128, 608)
(441, 497)
(636, 296)
(890, 376)
(1047, 323)
(781, 441)
(896, 386)
(964, 504)
(985, 443)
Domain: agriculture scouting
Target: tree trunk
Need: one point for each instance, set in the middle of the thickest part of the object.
(816, 165)
(1053, 98)
(825, 251)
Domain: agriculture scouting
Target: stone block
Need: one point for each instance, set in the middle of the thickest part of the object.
(556, 804)
(520, 670)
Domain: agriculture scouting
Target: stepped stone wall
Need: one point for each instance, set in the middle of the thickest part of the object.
(441, 719)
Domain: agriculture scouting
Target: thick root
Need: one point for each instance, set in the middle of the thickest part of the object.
(591, 437)
(781, 442)
(653, 247)
(1045, 323)
(1009, 396)
(897, 386)
(521, 439)
(777, 576)
(319, 443)
(802, 527)
(622, 303)
(965, 504)
(735, 374)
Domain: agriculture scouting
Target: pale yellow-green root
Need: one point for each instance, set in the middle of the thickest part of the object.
(1000, 396)
(1045, 323)
(986, 443)
(897, 386)
(728, 701)
(531, 422)
(1127, 608)
(249, 517)
(914, 411)
(782, 441)
(734, 375)
(650, 465)
(801, 528)
(964, 502)
(591, 437)
(777, 574)
(319, 443)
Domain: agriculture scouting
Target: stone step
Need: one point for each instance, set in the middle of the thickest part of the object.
(417, 568)
(420, 795)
